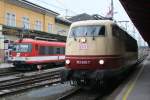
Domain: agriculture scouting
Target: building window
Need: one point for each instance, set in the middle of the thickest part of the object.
(10, 19)
(49, 27)
(25, 22)
(38, 25)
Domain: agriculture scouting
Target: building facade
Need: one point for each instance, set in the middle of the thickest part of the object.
(19, 15)
(62, 26)
(24, 14)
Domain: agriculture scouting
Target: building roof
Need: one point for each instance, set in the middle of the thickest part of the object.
(85, 16)
(81, 17)
(63, 21)
(28, 5)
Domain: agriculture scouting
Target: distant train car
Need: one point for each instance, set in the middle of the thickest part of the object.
(97, 50)
(30, 53)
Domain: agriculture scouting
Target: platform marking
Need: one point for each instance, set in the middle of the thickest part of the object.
(132, 84)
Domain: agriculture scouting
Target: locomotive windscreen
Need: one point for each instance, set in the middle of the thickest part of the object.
(90, 30)
(22, 48)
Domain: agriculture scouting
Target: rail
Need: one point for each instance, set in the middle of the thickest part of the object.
(23, 83)
(80, 94)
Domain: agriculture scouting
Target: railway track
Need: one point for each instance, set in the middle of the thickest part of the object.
(27, 82)
(9, 72)
(80, 94)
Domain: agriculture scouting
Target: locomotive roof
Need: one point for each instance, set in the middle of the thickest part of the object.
(26, 40)
(92, 22)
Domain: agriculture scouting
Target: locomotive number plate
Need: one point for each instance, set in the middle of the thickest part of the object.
(83, 46)
(83, 62)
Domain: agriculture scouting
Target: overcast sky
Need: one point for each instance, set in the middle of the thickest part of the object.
(101, 7)
(83, 6)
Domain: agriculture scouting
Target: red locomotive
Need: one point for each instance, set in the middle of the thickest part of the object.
(30, 53)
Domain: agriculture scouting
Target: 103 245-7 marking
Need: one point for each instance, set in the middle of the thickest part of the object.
(83, 62)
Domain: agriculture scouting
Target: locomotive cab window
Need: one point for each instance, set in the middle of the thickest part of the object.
(22, 48)
(88, 31)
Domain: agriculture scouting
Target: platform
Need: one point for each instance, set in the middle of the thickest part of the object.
(138, 88)
(6, 65)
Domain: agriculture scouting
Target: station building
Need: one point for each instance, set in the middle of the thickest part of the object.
(21, 17)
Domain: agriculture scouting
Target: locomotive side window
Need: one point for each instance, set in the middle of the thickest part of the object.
(42, 50)
(51, 50)
(130, 43)
(102, 31)
(115, 31)
(57, 50)
(118, 32)
(62, 50)
(46, 50)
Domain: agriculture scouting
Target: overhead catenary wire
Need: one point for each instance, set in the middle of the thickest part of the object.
(51, 5)
(65, 9)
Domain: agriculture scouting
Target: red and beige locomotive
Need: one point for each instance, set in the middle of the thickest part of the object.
(30, 53)
(96, 50)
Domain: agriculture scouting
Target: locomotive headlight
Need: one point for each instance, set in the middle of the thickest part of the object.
(83, 40)
(67, 61)
(101, 62)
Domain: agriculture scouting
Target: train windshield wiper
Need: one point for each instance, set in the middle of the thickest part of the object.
(85, 34)
(93, 31)
(74, 36)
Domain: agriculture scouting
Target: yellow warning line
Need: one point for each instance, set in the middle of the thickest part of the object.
(131, 85)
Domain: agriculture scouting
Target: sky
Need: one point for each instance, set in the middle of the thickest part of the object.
(101, 7)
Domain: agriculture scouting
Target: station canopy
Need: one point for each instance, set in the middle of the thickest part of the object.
(139, 13)
(25, 33)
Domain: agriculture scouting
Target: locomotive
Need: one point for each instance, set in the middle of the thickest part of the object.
(98, 50)
(29, 54)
